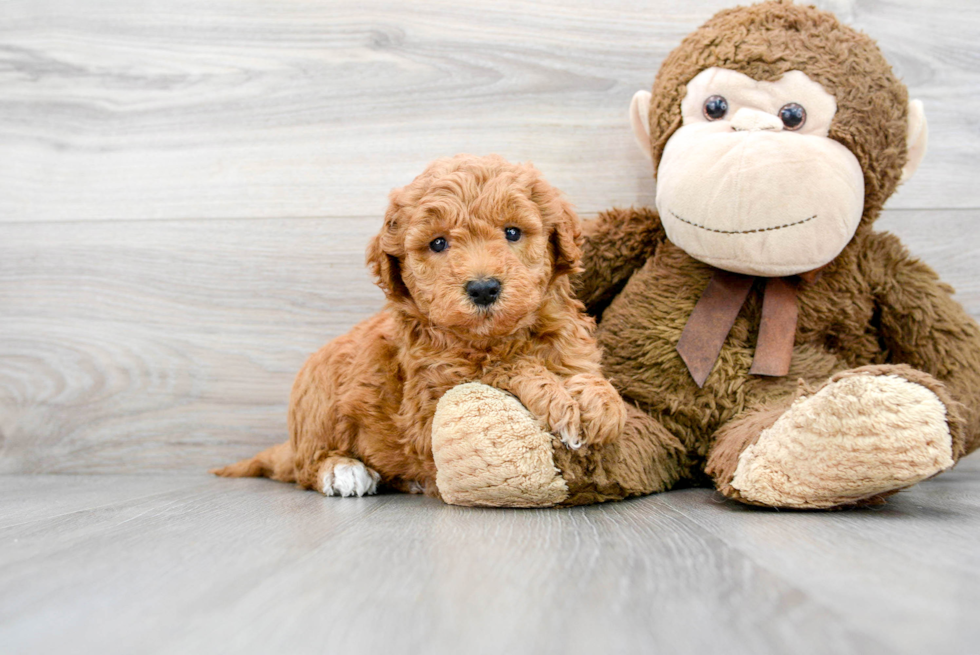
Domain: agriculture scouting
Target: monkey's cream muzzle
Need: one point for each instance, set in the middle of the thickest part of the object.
(743, 192)
(758, 201)
(744, 188)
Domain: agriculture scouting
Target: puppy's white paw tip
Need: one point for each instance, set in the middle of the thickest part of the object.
(353, 479)
(570, 439)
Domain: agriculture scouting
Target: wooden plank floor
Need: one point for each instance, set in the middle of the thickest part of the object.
(192, 564)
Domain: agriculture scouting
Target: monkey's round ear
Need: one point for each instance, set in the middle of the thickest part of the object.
(640, 120)
(918, 136)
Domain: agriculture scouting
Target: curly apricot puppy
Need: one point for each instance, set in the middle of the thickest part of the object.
(474, 258)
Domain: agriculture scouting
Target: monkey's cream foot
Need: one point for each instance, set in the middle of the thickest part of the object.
(858, 437)
(490, 451)
(344, 476)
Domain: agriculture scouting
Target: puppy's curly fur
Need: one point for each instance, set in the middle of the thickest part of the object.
(361, 408)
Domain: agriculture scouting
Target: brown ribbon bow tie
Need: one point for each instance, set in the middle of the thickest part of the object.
(715, 314)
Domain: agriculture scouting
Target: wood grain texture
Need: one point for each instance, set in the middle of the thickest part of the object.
(122, 340)
(172, 345)
(128, 109)
(252, 566)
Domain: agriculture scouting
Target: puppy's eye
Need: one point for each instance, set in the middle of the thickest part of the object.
(438, 244)
(793, 116)
(715, 107)
(512, 233)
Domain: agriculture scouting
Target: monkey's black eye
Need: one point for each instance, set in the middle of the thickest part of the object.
(512, 233)
(793, 116)
(438, 244)
(715, 107)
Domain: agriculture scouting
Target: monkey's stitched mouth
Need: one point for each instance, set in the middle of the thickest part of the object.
(760, 229)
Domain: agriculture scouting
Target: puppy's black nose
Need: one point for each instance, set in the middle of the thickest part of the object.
(483, 292)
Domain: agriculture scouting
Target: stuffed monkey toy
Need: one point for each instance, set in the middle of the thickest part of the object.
(767, 340)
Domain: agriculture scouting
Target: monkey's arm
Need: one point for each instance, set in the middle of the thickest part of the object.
(617, 243)
(922, 326)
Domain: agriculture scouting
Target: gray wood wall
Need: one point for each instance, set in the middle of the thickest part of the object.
(187, 187)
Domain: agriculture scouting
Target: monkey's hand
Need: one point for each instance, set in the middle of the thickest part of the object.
(616, 244)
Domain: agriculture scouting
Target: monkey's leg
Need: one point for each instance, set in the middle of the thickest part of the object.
(863, 435)
(645, 459)
(490, 451)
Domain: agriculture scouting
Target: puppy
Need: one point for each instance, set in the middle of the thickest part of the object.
(474, 258)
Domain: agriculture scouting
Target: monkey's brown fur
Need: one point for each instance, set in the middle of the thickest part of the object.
(370, 395)
(876, 310)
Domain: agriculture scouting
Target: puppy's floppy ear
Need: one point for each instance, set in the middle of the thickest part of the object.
(566, 240)
(563, 226)
(383, 255)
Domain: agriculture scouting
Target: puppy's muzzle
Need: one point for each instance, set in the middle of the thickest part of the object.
(483, 292)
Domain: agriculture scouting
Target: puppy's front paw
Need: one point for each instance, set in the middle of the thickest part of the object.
(602, 409)
(343, 476)
(559, 413)
(565, 420)
(549, 401)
